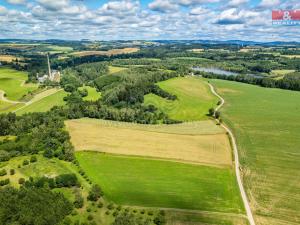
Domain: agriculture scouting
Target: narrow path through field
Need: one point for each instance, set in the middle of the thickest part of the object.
(39, 97)
(3, 98)
(236, 160)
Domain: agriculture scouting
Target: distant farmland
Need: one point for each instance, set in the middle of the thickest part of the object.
(108, 53)
(266, 122)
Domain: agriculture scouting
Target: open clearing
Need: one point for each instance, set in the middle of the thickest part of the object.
(115, 69)
(266, 124)
(156, 183)
(108, 53)
(93, 94)
(12, 82)
(194, 99)
(45, 103)
(211, 149)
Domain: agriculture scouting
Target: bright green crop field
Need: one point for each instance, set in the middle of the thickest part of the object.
(266, 123)
(12, 83)
(45, 104)
(156, 183)
(194, 99)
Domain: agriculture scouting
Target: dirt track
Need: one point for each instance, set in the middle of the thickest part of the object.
(236, 160)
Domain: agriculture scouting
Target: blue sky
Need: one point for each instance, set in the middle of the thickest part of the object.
(145, 19)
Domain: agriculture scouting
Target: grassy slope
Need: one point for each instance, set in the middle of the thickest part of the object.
(266, 124)
(93, 95)
(11, 83)
(194, 99)
(115, 69)
(155, 183)
(45, 104)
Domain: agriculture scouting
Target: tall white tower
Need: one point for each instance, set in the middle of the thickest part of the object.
(49, 68)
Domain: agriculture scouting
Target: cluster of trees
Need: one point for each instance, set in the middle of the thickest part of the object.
(62, 180)
(122, 96)
(289, 82)
(32, 205)
(35, 132)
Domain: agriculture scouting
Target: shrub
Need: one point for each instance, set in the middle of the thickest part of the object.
(90, 217)
(33, 159)
(211, 111)
(4, 182)
(88, 209)
(4, 156)
(110, 206)
(21, 180)
(217, 115)
(95, 193)
(12, 172)
(66, 180)
(3, 172)
(25, 162)
(100, 205)
(143, 211)
(79, 201)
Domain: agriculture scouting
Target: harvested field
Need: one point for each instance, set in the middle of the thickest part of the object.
(211, 149)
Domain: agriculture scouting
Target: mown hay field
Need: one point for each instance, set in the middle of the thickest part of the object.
(194, 99)
(266, 123)
(211, 149)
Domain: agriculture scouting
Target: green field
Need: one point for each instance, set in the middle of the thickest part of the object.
(194, 99)
(93, 95)
(12, 82)
(44, 104)
(266, 123)
(156, 183)
(6, 107)
(115, 69)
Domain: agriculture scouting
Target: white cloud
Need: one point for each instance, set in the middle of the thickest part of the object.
(269, 3)
(194, 2)
(16, 2)
(198, 11)
(236, 3)
(3, 10)
(163, 6)
(53, 4)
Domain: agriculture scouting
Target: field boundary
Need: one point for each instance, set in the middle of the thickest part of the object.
(236, 160)
(191, 211)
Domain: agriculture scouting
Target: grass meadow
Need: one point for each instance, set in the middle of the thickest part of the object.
(12, 82)
(93, 95)
(155, 183)
(194, 99)
(266, 123)
(45, 103)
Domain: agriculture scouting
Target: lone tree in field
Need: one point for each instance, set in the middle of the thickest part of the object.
(211, 111)
(217, 114)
